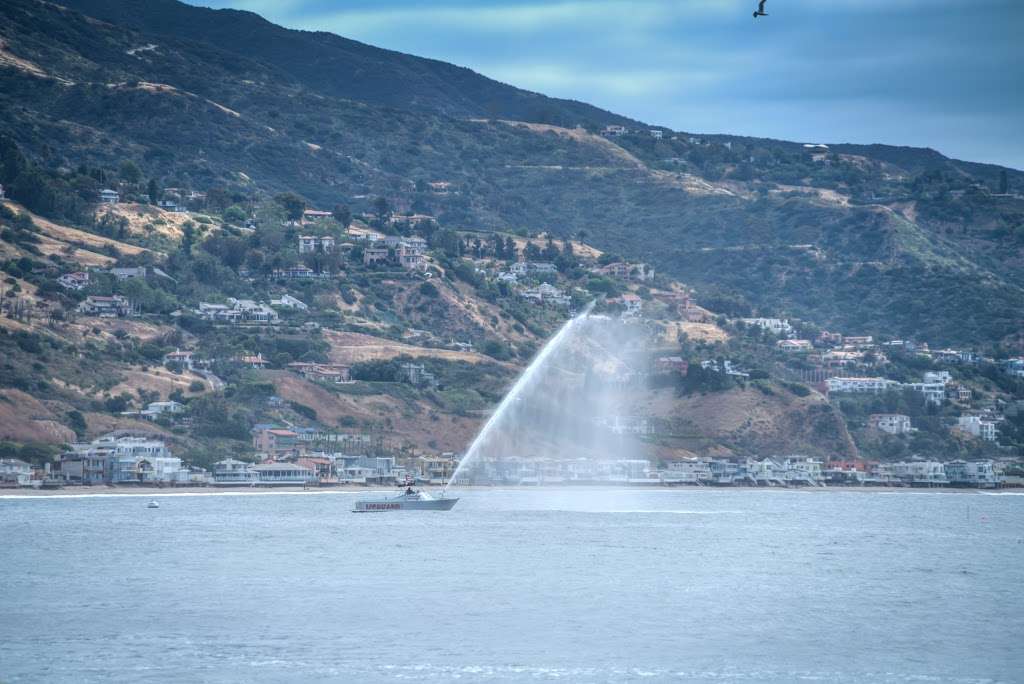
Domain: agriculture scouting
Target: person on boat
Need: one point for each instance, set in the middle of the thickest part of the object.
(408, 491)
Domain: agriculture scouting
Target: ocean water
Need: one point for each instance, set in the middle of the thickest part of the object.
(516, 586)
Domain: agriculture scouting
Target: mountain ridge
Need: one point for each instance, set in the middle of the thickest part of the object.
(688, 203)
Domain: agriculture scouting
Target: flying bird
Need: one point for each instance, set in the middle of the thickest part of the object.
(760, 10)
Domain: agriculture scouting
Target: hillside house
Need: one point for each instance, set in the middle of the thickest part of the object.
(671, 364)
(1014, 367)
(859, 385)
(773, 325)
(794, 346)
(314, 215)
(977, 426)
(411, 257)
(237, 311)
(170, 205)
(255, 361)
(108, 196)
(298, 273)
(959, 393)
(890, 423)
(632, 304)
(375, 255)
(288, 302)
(440, 187)
(417, 374)
(155, 409)
(934, 392)
(115, 306)
(277, 442)
(860, 342)
(180, 358)
(312, 244)
(624, 271)
(78, 281)
(656, 133)
(614, 131)
(324, 372)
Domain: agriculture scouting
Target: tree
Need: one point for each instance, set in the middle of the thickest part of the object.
(343, 215)
(130, 172)
(154, 191)
(292, 204)
(234, 214)
(380, 206)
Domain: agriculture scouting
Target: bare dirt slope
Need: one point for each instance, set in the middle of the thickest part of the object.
(25, 419)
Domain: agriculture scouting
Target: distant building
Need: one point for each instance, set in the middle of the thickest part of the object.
(79, 280)
(108, 196)
(181, 358)
(972, 474)
(105, 307)
(670, 364)
(288, 302)
(237, 311)
(117, 459)
(283, 474)
(310, 244)
(298, 273)
(891, 423)
(656, 133)
(614, 131)
(794, 345)
(375, 255)
(324, 372)
(15, 473)
(934, 392)
(233, 473)
(314, 215)
(859, 385)
(775, 325)
(978, 427)
(632, 304)
(276, 441)
(253, 361)
(417, 374)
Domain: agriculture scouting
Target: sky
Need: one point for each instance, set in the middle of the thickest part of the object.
(945, 74)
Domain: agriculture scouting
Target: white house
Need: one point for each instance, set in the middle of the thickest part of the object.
(15, 472)
(859, 385)
(108, 196)
(794, 345)
(182, 358)
(978, 427)
(891, 423)
(79, 280)
(234, 473)
(309, 244)
(775, 325)
(105, 307)
(289, 302)
(280, 474)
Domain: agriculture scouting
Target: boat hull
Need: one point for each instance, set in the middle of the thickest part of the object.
(384, 505)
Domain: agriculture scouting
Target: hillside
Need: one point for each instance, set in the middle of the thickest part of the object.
(218, 99)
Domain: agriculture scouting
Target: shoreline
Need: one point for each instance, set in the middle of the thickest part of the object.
(150, 492)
